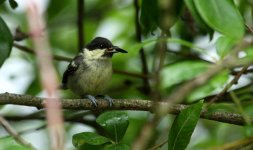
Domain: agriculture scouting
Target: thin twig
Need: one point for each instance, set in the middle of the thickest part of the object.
(80, 24)
(14, 134)
(67, 119)
(159, 145)
(31, 51)
(237, 102)
(179, 94)
(234, 72)
(161, 48)
(228, 86)
(146, 86)
(230, 61)
(131, 74)
(249, 28)
(236, 144)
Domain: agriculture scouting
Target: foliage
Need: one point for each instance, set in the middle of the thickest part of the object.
(114, 123)
(182, 40)
(5, 41)
(183, 126)
(9, 143)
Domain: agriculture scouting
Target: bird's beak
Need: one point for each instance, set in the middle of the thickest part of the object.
(116, 49)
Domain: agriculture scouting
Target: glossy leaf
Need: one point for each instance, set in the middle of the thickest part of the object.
(224, 45)
(149, 15)
(222, 16)
(117, 147)
(201, 23)
(13, 4)
(6, 41)
(115, 123)
(88, 138)
(183, 127)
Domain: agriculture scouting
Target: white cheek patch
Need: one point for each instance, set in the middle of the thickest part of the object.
(94, 54)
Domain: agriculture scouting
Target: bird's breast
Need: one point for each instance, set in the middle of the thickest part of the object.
(93, 77)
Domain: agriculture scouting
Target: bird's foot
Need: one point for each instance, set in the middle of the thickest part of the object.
(107, 98)
(92, 99)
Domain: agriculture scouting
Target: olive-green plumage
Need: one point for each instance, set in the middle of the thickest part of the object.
(89, 73)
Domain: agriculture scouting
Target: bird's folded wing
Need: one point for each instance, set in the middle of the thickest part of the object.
(72, 67)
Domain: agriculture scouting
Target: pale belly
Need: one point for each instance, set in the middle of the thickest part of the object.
(93, 81)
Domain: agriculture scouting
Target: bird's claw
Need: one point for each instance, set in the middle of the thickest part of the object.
(92, 99)
(109, 99)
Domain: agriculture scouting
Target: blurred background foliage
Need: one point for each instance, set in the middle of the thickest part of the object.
(195, 38)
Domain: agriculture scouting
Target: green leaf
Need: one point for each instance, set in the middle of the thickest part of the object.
(13, 4)
(182, 71)
(9, 143)
(149, 15)
(224, 45)
(214, 84)
(88, 138)
(191, 6)
(117, 147)
(183, 127)
(6, 41)
(115, 123)
(222, 16)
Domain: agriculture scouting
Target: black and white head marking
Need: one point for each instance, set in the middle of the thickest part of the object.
(99, 43)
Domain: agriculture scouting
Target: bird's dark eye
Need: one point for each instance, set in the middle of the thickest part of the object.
(101, 46)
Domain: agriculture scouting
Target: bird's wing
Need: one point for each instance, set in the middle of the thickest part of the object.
(72, 67)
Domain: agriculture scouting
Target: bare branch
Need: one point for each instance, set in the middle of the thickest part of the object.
(14, 134)
(80, 19)
(118, 104)
(31, 51)
(179, 94)
(240, 144)
(229, 85)
(159, 145)
(146, 86)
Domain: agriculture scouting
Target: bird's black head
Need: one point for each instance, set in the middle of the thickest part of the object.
(100, 43)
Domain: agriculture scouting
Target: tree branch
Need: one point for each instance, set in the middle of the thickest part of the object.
(118, 104)
(68, 119)
(146, 85)
(31, 51)
(14, 134)
(229, 85)
(80, 16)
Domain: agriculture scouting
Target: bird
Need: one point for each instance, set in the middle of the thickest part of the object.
(89, 73)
